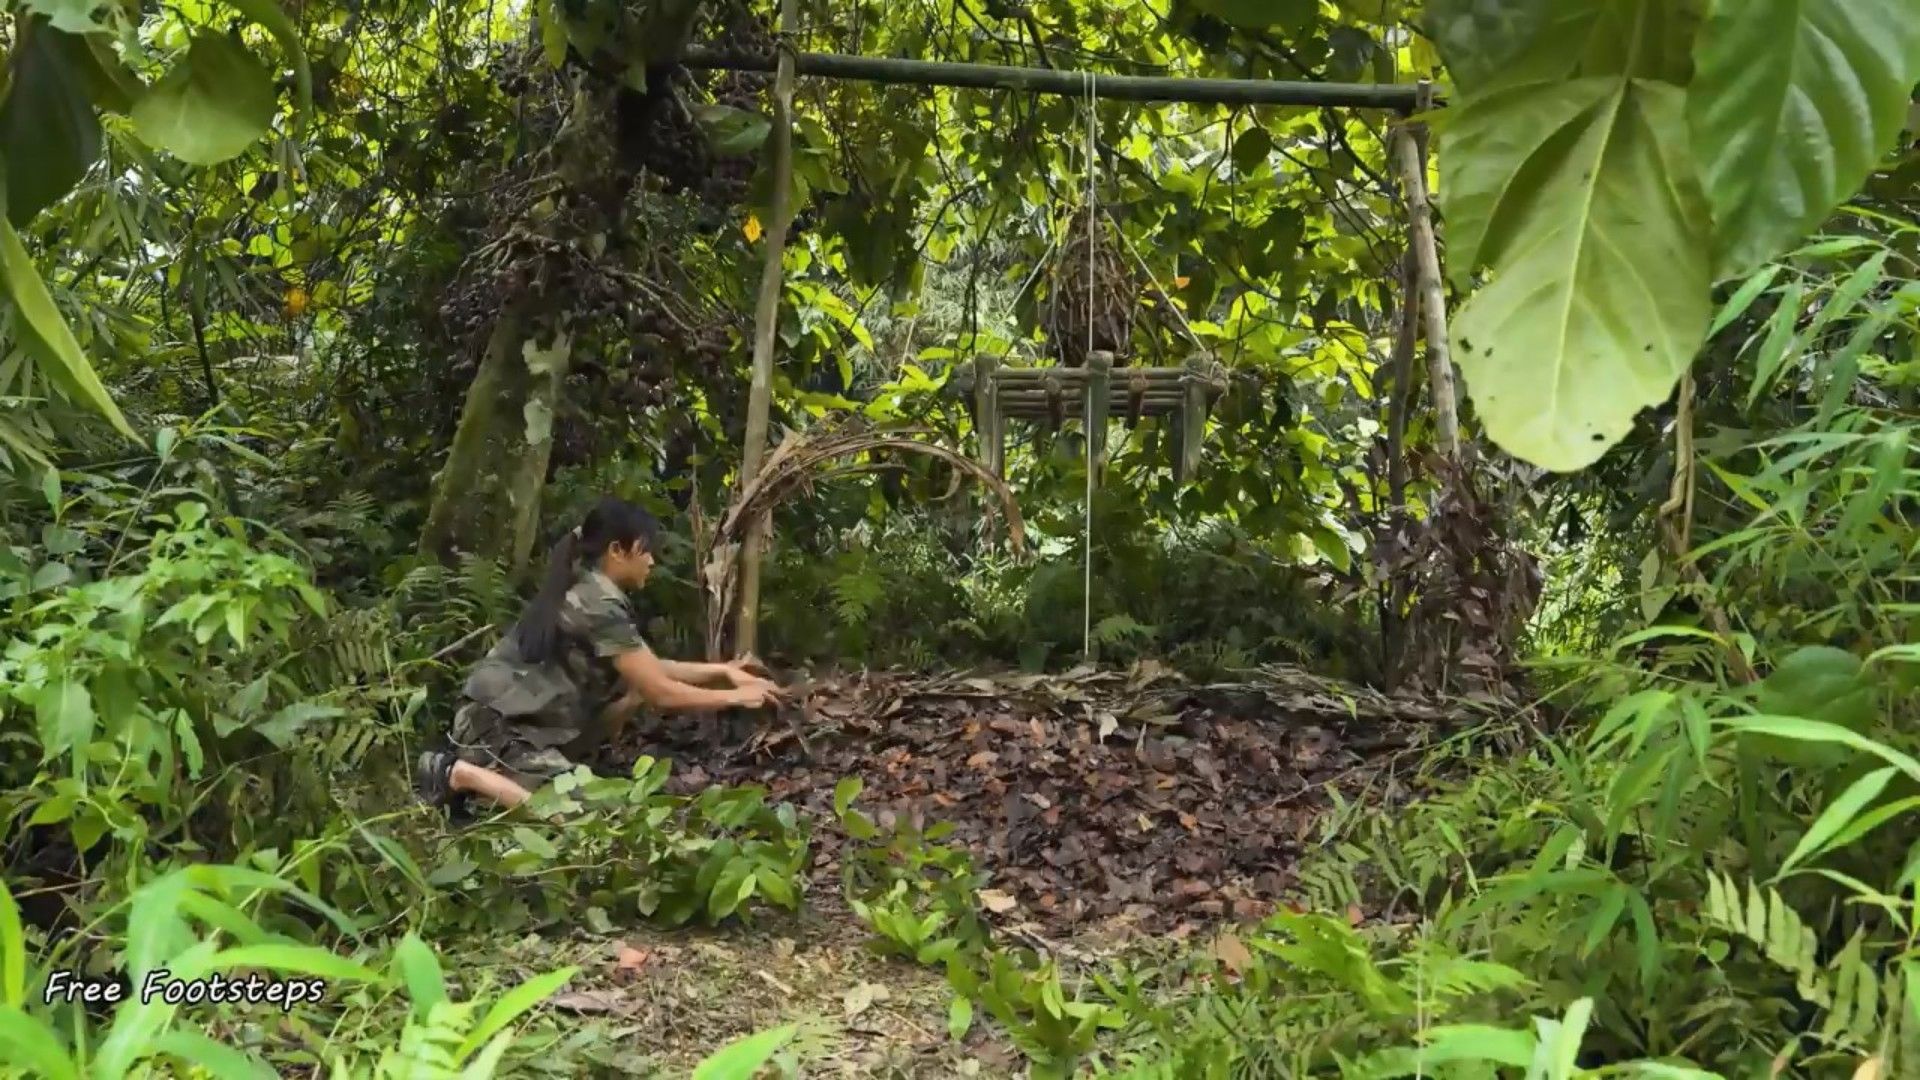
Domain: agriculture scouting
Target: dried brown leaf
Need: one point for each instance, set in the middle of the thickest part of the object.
(1232, 954)
(996, 901)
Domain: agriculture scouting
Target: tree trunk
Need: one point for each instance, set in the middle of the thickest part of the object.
(766, 325)
(486, 499)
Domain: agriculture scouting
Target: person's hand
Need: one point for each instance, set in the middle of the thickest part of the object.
(756, 694)
(746, 668)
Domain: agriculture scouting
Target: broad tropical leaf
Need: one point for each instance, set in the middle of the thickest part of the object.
(1579, 195)
(212, 106)
(1480, 42)
(27, 1043)
(73, 16)
(732, 131)
(269, 15)
(1793, 104)
(49, 135)
(46, 335)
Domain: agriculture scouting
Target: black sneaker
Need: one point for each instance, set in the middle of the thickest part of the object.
(433, 777)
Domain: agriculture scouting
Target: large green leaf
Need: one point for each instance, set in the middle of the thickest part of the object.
(1821, 683)
(1480, 40)
(28, 1043)
(420, 969)
(1498, 44)
(46, 335)
(74, 16)
(1793, 104)
(211, 106)
(107, 80)
(49, 135)
(13, 951)
(270, 15)
(732, 131)
(1799, 729)
(1581, 196)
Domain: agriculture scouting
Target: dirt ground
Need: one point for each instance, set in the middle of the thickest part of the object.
(654, 1003)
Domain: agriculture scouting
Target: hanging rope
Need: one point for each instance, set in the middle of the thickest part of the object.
(1086, 594)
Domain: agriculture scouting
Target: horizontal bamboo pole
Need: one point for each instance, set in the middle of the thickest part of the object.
(1014, 397)
(1158, 409)
(1025, 377)
(1073, 83)
(1115, 402)
(1116, 391)
(1067, 372)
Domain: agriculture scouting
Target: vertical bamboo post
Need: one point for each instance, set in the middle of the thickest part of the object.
(766, 323)
(1410, 161)
(1173, 435)
(1098, 406)
(1193, 417)
(987, 393)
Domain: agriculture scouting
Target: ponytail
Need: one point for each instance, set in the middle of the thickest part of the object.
(539, 627)
(537, 634)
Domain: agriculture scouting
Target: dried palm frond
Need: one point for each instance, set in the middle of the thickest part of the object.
(792, 467)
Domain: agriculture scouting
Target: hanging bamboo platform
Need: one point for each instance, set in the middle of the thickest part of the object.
(1094, 394)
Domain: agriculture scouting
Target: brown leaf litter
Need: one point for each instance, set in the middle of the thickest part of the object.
(1132, 799)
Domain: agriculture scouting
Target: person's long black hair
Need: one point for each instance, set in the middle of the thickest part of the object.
(611, 521)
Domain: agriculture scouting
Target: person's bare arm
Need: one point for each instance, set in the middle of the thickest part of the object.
(694, 672)
(648, 676)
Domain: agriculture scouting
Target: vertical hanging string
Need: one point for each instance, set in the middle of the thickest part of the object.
(1086, 595)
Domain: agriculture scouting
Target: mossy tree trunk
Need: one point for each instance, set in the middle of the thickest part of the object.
(486, 499)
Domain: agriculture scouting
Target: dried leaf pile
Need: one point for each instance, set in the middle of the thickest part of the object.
(1129, 798)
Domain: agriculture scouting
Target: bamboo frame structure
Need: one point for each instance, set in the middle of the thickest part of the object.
(997, 393)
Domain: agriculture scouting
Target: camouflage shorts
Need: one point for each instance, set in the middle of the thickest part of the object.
(483, 737)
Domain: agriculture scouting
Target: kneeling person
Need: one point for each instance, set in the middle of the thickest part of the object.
(572, 670)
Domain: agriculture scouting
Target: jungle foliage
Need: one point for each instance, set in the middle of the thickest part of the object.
(264, 268)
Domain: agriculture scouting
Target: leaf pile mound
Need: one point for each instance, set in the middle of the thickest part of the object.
(1129, 798)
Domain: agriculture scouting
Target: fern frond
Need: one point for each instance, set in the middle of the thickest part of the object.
(1855, 1016)
(353, 646)
(1120, 629)
(857, 593)
(356, 505)
(1454, 977)
(1765, 920)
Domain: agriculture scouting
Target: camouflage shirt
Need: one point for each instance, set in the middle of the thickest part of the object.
(556, 702)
